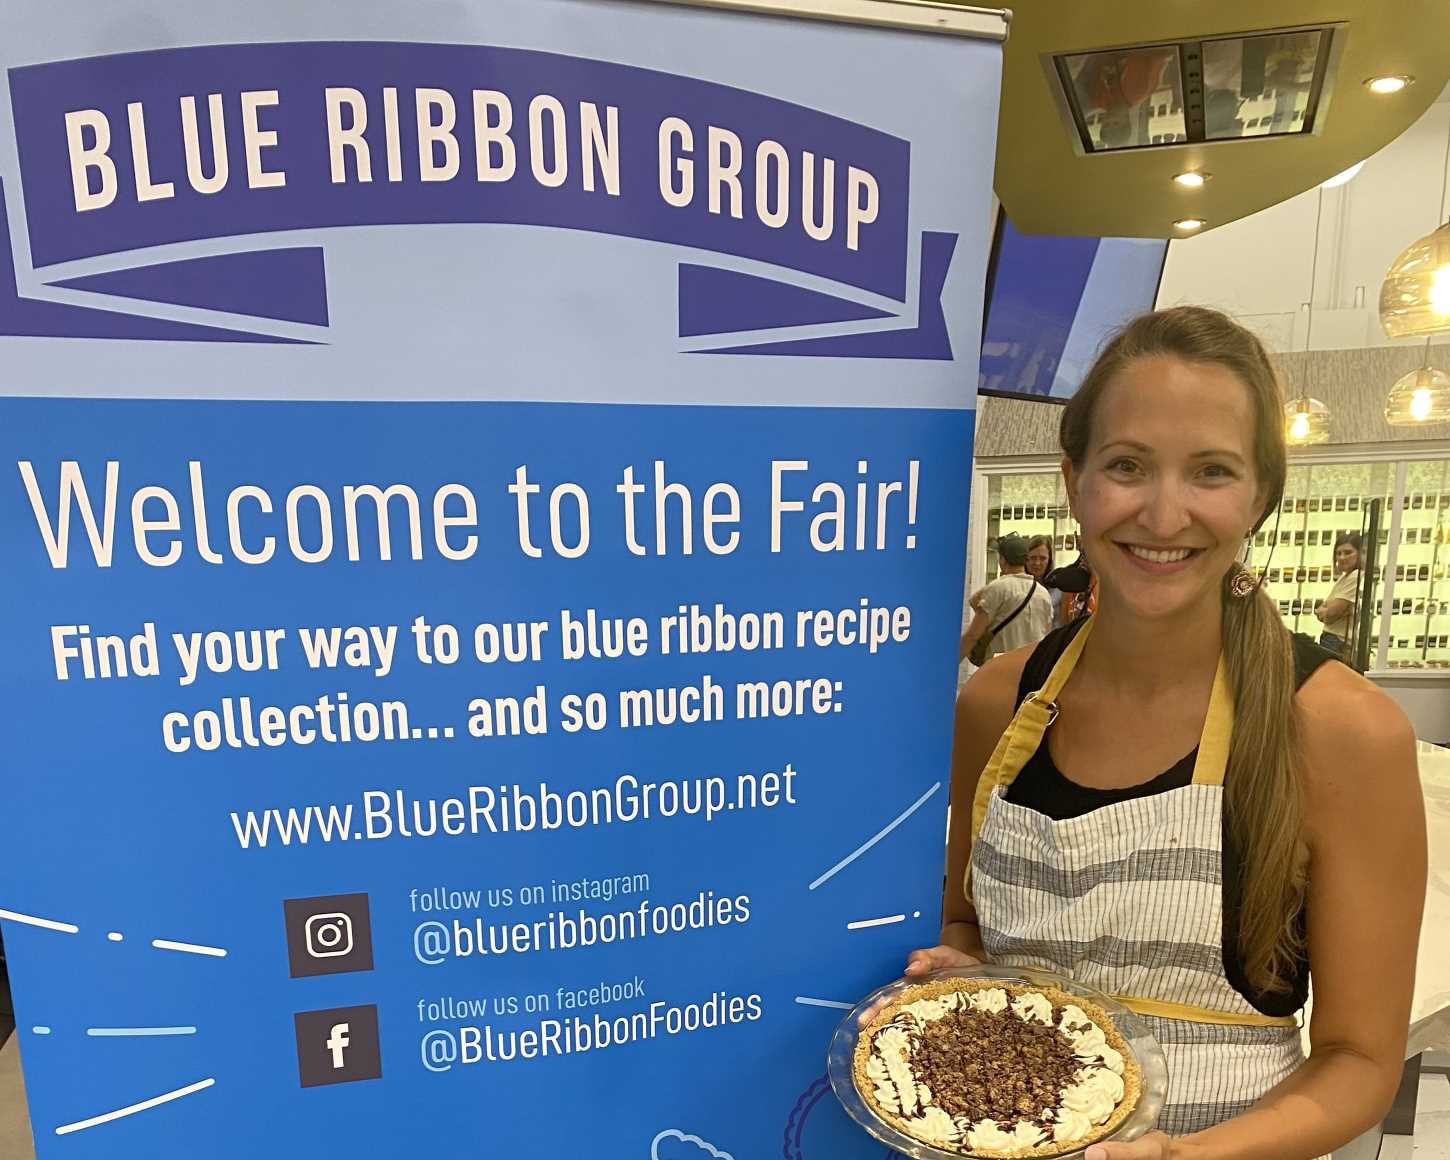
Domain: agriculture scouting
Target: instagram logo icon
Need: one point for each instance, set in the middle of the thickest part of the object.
(328, 935)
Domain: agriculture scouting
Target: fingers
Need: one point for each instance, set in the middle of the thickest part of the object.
(1153, 1146)
(918, 963)
(927, 959)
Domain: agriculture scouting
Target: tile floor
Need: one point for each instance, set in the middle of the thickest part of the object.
(1431, 1140)
(1432, 1125)
(7, 1013)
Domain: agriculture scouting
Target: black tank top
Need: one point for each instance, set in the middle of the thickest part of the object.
(1041, 786)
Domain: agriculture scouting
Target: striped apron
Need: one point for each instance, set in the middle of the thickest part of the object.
(1128, 899)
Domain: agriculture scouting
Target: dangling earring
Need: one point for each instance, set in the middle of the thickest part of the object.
(1243, 584)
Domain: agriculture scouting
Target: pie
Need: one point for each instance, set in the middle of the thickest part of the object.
(983, 1068)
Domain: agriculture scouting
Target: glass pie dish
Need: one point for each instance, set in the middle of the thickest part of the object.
(1134, 1030)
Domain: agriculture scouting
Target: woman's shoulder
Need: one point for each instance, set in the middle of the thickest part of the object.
(1357, 743)
(1338, 704)
(989, 698)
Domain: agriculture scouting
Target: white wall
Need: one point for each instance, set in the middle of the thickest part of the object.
(1426, 704)
(1258, 268)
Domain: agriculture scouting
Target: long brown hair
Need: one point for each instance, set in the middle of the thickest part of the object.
(1262, 788)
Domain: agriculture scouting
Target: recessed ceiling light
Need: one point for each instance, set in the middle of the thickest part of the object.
(1384, 86)
(1191, 180)
(1188, 225)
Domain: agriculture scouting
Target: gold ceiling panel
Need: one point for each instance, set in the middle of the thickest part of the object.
(1050, 184)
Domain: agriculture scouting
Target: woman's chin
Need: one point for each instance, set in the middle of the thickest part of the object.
(1164, 599)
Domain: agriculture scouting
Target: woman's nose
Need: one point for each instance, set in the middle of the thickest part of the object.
(1164, 512)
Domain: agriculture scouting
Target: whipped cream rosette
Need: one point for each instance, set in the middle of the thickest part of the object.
(995, 1069)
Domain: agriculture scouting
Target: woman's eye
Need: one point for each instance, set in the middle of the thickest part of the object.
(1123, 466)
(1217, 471)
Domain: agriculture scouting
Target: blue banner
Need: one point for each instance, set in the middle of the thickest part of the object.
(458, 704)
(141, 149)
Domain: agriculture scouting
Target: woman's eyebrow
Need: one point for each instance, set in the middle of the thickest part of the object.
(1218, 454)
(1144, 449)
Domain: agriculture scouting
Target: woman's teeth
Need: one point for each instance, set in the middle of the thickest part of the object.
(1169, 557)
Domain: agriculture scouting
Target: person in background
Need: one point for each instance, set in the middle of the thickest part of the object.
(1074, 590)
(1077, 605)
(1337, 611)
(1039, 564)
(1014, 608)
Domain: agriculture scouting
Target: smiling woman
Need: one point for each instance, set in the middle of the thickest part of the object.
(1192, 806)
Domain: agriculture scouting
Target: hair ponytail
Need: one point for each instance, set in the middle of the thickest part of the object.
(1263, 796)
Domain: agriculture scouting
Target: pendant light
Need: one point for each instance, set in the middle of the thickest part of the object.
(1420, 397)
(1415, 296)
(1306, 419)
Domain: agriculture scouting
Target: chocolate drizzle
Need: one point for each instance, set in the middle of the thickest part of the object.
(985, 1066)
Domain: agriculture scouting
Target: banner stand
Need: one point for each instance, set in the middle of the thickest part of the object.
(484, 491)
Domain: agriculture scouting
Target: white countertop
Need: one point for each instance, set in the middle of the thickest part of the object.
(1430, 1014)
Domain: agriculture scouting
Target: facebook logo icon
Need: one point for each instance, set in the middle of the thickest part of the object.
(337, 1046)
(337, 1041)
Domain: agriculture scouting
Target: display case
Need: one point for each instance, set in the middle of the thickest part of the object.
(1294, 550)
(1326, 494)
(1413, 588)
(1030, 504)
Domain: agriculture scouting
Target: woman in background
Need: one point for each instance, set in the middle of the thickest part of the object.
(1039, 564)
(1337, 610)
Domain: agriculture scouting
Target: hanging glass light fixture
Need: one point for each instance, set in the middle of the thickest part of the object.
(1415, 295)
(1306, 419)
(1420, 397)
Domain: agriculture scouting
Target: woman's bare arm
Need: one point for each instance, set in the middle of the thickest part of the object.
(981, 622)
(984, 710)
(1335, 609)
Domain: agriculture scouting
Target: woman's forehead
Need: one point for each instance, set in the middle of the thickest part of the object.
(1163, 402)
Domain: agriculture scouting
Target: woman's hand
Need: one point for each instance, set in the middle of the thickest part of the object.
(924, 960)
(1153, 1146)
(920, 962)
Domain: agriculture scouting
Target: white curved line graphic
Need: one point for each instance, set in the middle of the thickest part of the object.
(866, 923)
(47, 923)
(133, 1032)
(861, 849)
(163, 944)
(132, 1109)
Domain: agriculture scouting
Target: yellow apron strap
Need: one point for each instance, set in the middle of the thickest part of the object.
(1020, 742)
(1192, 1014)
(1218, 730)
(1023, 735)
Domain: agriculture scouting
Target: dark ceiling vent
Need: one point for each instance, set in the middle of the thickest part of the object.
(1228, 88)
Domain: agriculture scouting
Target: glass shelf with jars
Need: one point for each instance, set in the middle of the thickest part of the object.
(1415, 588)
(1295, 549)
(1031, 504)
(1325, 499)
